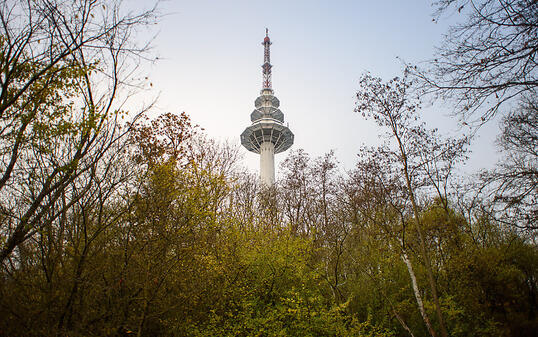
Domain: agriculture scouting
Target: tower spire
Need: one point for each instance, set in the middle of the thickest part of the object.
(266, 61)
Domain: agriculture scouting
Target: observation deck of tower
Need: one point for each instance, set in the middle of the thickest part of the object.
(267, 135)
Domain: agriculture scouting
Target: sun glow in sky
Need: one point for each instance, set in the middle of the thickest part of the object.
(210, 67)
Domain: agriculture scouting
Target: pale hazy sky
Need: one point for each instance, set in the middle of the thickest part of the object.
(211, 54)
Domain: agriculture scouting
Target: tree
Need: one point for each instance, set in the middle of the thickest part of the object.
(487, 66)
(487, 60)
(64, 64)
(512, 185)
(55, 270)
(297, 190)
(416, 159)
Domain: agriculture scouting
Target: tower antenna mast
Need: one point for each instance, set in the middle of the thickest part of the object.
(267, 61)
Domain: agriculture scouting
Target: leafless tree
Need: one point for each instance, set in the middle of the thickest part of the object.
(487, 59)
(512, 185)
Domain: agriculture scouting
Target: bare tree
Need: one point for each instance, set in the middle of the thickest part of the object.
(512, 186)
(487, 59)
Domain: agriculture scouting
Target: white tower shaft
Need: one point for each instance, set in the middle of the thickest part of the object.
(267, 163)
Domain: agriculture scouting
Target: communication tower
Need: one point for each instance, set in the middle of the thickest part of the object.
(267, 135)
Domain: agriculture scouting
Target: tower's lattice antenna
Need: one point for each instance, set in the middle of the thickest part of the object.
(267, 61)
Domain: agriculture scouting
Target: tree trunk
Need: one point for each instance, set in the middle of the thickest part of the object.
(418, 296)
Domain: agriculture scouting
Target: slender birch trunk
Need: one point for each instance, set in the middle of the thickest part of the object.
(425, 317)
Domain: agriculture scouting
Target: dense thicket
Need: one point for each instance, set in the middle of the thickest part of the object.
(149, 228)
(187, 245)
(176, 240)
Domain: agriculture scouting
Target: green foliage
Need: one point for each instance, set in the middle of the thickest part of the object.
(180, 250)
(282, 296)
